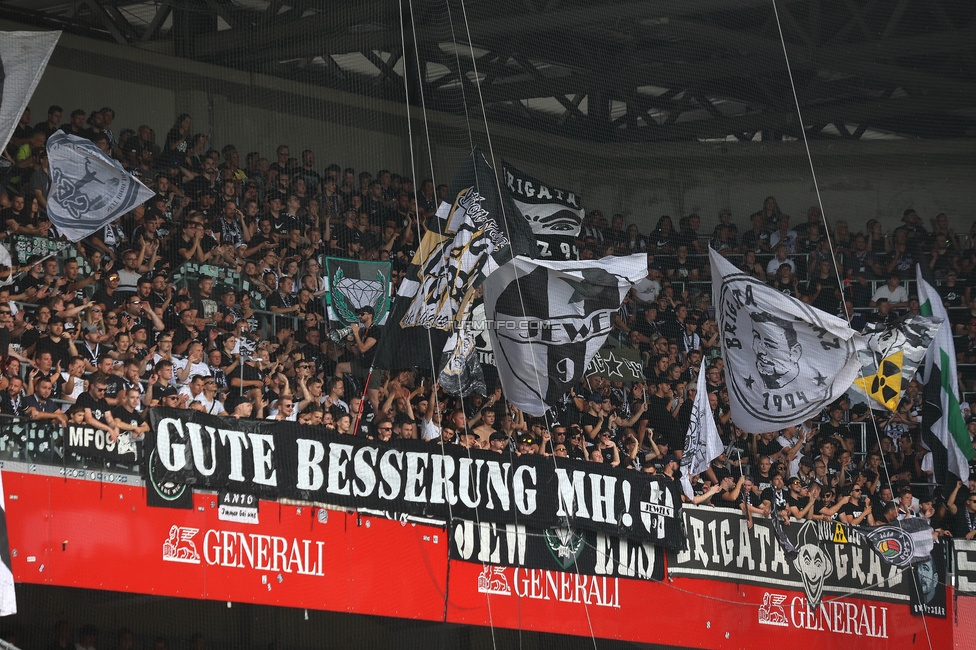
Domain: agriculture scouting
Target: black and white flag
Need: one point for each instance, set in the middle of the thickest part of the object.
(702, 442)
(548, 319)
(88, 189)
(465, 241)
(785, 360)
(8, 597)
(554, 214)
(617, 364)
(23, 59)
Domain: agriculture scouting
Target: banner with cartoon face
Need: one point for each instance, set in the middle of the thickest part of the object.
(823, 560)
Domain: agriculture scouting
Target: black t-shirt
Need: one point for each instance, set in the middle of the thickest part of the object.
(60, 352)
(374, 332)
(764, 448)
(588, 420)
(797, 502)
(121, 414)
(279, 300)
(833, 468)
(257, 240)
(776, 499)
(852, 509)
(206, 307)
(111, 302)
(748, 497)
(762, 482)
(98, 407)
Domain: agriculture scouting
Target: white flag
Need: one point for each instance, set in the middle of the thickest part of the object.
(702, 442)
(8, 597)
(23, 58)
(546, 320)
(784, 359)
(88, 189)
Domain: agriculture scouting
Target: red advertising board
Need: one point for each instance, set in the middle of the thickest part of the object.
(684, 611)
(101, 535)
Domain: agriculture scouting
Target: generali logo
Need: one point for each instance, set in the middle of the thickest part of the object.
(494, 581)
(831, 616)
(233, 549)
(543, 584)
(180, 547)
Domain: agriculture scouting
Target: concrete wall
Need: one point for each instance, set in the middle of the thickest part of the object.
(858, 180)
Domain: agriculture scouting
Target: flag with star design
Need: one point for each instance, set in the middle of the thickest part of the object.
(546, 321)
(617, 364)
(785, 360)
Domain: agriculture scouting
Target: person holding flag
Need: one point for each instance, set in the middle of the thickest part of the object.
(702, 442)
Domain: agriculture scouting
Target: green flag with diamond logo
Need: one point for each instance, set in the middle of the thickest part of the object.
(354, 284)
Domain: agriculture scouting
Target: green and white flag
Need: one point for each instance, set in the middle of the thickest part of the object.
(941, 413)
(352, 285)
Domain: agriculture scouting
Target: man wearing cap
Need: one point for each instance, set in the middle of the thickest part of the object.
(499, 442)
(107, 295)
(60, 347)
(169, 398)
(91, 350)
(669, 467)
(798, 502)
(916, 236)
(774, 497)
(593, 420)
(361, 344)
(527, 445)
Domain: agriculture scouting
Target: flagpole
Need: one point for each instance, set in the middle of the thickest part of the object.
(362, 400)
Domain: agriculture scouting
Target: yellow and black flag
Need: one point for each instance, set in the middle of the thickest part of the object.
(890, 357)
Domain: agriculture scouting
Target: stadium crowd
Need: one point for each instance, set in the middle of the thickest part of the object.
(101, 332)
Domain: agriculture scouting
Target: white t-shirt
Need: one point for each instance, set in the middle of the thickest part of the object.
(900, 294)
(775, 263)
(431, 430)
(199, 368)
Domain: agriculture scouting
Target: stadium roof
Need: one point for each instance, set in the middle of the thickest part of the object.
(593, 70)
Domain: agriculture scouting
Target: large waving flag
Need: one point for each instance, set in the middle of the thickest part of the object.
(23, 59)
(702, 442)
(88, 189)
(465, 242)
(942, 422)
(548, 320)
(785, 360)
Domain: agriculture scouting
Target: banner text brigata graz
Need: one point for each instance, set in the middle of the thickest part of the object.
(412, 477)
